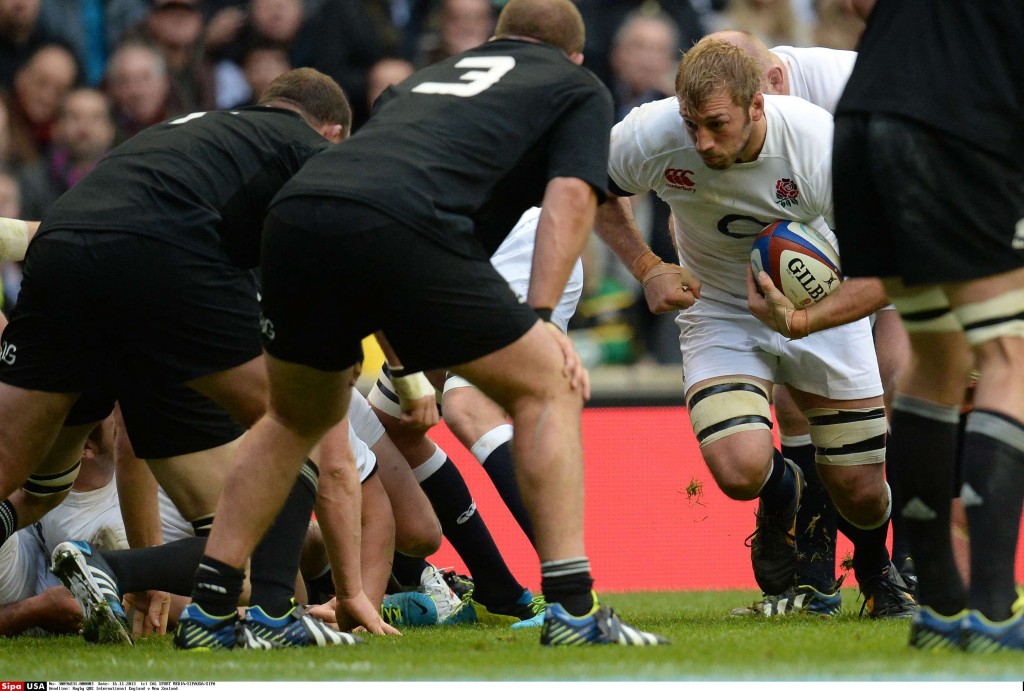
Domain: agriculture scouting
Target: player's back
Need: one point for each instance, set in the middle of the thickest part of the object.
(818, 75)
(202, 181)
(495, 121)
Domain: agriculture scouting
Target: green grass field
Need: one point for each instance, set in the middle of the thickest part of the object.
(707, 644)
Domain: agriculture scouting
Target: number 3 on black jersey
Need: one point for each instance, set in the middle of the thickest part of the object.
(486, 73)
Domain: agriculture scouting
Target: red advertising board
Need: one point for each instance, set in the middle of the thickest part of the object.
(654, 518)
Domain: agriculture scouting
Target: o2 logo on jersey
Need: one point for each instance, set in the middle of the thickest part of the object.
(486, 71)
(679, 178)
(740, 227)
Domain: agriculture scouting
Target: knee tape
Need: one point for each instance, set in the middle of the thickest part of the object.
(454, 381)
(57, 483)
(728, 407)
(993, 318)
(927, 311)
(848, 437)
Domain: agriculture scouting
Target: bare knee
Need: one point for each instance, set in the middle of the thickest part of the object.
(418, 538)
(860, 493)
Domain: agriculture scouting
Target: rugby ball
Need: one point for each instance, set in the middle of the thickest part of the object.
(800, 260)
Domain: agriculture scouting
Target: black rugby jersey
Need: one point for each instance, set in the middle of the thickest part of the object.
(202, 182)
(468, 144)
(957, 65)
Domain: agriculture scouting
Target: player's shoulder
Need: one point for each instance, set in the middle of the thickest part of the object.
(815, 56)
(653, 127)
(796, 114)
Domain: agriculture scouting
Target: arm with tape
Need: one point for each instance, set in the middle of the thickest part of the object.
(15, 235)
(667, 287)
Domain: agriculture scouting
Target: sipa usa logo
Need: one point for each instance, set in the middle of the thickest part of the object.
(679, 178)
(786, 192)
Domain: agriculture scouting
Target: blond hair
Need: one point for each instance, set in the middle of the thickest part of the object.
(712, 65)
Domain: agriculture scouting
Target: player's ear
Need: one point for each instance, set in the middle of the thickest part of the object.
(333, 133)
(576, 58)
(757, 106)
(777, 81)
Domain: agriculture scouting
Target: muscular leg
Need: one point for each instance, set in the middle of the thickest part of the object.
(549, 455)
(993, 446)
(304, 404)
(816, 517)
(241, 390)
(460, 520)
(482, 427)
(33, 420)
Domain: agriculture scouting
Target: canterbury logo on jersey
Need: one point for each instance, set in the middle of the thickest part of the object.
(8, 353)
(679, 178)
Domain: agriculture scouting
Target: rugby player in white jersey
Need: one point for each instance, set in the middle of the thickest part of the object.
(730, 160)
(819, 75)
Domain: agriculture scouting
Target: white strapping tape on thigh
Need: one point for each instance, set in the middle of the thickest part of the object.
(926, 311)
(994, 318)
(48, 485)
(728, 407)
(848, 437)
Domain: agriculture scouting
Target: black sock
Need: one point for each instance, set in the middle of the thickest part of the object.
(870, 554)
(499, 468)
(407, 570)
(8, 520)
(568, 582)
(900, 541)
(275, 562)
(217, 587)
(780, 487)
(923, 447)
(464, 527)
(168, 567)
(993, 493)
(815, 524)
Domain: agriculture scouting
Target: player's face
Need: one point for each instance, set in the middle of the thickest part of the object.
(720, 130)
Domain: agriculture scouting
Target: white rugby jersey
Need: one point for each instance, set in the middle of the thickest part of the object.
(514, 261)
(85, 516)
(717, 213)
(818, 75)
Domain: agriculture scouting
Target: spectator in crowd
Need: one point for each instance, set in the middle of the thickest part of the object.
(39, 87)
(775, 22)
(330, 37)
(92, 29)
(20, 35)
(603, 19)
(138, 83)
(836, 27)
(458, 25)
(260, 66)
(383, 74)
(84, 134)
(645, 51)
(176, 28)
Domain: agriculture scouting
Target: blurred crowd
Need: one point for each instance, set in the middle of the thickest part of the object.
(77, 77)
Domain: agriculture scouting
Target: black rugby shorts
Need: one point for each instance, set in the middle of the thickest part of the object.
(335, 271)
(917, 203)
